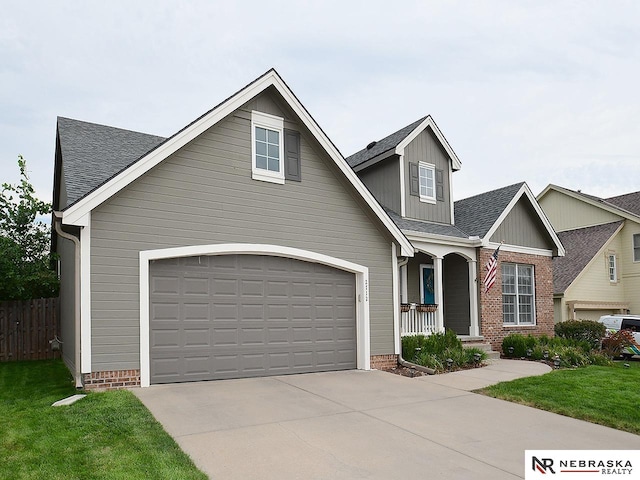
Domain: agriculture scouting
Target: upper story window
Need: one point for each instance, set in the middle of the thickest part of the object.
(636, 247)
(427, 175)
(267, 147)
(613, 269)
(518, 294)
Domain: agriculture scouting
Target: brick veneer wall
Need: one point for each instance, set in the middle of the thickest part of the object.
(111, 380)
(382, 362)
(491, 326)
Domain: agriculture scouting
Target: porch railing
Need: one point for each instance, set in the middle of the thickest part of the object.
(418, 319)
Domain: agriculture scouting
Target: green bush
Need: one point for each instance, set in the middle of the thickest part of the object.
(520, 345)
(582, 331)
(572, 352)
(434, 350)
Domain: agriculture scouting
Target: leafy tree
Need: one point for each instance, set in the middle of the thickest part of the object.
(25, 258)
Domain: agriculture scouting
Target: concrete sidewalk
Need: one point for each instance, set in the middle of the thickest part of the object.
(374, 425)
(496, 371)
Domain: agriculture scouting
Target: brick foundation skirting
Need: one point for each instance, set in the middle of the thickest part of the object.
(381, 362)
(111, 380)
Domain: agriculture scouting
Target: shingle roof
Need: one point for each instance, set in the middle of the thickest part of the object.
(93, 154)
(476, 215)
(386, 144)
(426, 227)
(581, 245)
(629, 202)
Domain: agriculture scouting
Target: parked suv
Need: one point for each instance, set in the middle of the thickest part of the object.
(613, 323)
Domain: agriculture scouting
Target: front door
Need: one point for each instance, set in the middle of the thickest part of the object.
(426, 282)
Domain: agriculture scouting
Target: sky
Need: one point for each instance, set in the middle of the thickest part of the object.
(537, 91)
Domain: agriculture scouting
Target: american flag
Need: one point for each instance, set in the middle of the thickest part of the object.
(492, 268)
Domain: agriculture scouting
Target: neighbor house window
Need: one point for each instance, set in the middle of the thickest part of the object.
(427, 175)
(518, 294)
(267, 147)
(636, 247)
(613, 270)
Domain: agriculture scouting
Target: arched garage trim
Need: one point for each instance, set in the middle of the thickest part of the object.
(362, 288)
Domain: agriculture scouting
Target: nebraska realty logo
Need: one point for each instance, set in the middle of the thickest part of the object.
(582, 463)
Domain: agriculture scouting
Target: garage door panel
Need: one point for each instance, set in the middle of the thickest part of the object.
(254, 316)
(166, 285)
(196, 311)
(196, 286)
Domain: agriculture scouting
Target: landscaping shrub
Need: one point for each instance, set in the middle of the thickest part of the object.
(571, 357)
(581, 330)
(410, 344)
(520, 344)
(435, 343)
(572, 352)
(615, 342)
(434, 350)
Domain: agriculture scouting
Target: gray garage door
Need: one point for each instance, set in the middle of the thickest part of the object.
(233, 316)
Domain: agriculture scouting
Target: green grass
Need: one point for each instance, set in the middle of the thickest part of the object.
(107, 435)
(606, 395)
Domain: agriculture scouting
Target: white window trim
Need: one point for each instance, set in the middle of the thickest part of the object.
(270, 122)
(633, 247)
(517, 295)
(426, 198)
(612, 278)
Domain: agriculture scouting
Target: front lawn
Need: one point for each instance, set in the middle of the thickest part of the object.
(606, 395)
(107, 435)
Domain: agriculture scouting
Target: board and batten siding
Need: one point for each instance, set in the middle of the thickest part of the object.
(203, 194)
(567, 213)
(426, 148)
(383, 181)
(522, 227)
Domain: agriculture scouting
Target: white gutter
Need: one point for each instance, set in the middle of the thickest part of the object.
(57, 218)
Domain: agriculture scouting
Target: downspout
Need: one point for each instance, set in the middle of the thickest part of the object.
(401, 360)
(76, 245)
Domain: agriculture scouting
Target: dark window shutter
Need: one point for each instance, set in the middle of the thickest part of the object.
(439, 185)
(292, 155)
(414, 180)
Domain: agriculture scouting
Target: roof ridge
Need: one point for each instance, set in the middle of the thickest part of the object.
(109, 126)
(519, 184)
(384, 143)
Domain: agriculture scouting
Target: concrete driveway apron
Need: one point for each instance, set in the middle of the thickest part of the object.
(359, 424)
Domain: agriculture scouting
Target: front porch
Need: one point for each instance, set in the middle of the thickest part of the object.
(438, 292)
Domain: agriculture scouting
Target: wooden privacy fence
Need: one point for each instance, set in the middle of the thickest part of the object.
(26, 327)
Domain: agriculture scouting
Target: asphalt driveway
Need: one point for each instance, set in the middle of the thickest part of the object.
(358, 424)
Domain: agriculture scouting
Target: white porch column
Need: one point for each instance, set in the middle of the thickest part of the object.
(474, 328)
(404, 279)
(438, 281)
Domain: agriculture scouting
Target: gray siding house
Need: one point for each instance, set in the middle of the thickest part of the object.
(243, 245)
(410, 173)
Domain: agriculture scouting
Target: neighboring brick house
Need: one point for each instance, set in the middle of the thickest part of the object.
(601, 272)
(410, 173)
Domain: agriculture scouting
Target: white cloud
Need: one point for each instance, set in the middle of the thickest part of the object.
(540, 91)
